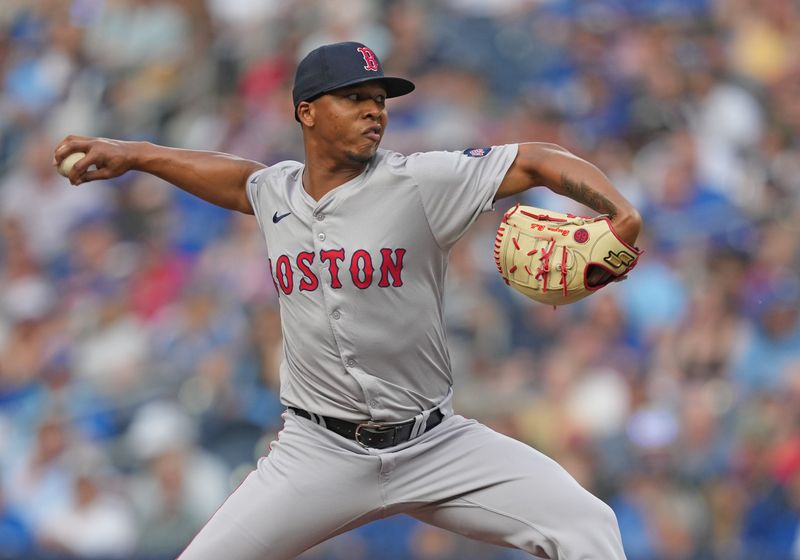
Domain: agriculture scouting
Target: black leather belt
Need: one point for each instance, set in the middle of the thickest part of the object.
(378, 435)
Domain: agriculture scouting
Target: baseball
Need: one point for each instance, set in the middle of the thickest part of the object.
(68, 162)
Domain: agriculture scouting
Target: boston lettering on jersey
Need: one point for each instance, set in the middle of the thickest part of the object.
(362, 268)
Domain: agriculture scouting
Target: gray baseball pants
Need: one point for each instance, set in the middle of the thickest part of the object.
(460, 476)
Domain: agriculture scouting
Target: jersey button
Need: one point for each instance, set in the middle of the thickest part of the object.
(321, 237)
(319, 217)
(350, 362)
(336, 315)
(373, 403)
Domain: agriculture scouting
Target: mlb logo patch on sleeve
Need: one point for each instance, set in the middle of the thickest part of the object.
(476, 152)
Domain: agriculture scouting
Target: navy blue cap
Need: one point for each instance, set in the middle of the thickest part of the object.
(331, 67)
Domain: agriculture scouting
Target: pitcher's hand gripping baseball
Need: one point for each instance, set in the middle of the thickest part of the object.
(557, 258)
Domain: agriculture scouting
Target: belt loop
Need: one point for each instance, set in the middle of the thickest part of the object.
(318, 419)
(446, 406)
(420, 421)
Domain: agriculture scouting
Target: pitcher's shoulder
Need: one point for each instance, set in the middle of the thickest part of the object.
(278, 174)
(284, 168)
(389, 157)
(397, 162)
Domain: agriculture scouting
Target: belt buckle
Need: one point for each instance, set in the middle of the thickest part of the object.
(375, 426)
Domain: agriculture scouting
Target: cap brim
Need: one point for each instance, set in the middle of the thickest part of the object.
(395, 87)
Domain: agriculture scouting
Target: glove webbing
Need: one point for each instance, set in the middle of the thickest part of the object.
(570, 219)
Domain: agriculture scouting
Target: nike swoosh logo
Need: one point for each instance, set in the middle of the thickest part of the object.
(276, 218)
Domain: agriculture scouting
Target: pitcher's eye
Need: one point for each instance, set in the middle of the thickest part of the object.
(353, 97)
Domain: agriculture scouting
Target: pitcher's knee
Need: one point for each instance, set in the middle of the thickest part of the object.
(587, 531)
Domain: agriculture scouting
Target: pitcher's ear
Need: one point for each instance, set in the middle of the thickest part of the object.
(305, 113)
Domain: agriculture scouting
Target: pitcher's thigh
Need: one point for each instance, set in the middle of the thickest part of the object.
(505, 492)
(302, 493)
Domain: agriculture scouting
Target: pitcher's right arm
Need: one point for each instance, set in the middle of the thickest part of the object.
(213, 176)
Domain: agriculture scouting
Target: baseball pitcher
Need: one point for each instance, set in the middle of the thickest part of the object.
(358, 239)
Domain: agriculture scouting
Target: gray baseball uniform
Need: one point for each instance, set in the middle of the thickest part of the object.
(360, 277)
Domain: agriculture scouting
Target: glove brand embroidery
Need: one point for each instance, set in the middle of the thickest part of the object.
(622, 258)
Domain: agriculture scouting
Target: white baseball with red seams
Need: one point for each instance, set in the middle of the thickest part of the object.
(360, 276)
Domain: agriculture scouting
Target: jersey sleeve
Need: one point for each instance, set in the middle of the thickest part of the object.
(255, 191)
(456, 187)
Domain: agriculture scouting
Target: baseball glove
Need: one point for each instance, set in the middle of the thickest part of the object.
(548, 256)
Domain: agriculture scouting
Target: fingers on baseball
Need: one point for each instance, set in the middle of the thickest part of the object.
(69, 145)
(95, 174)
(89, 168)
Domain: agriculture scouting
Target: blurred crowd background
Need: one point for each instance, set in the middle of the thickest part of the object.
(139, 330)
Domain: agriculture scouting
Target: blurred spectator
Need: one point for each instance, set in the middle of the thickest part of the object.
(15, 534)
(28, 345)
(112, 348)
(179, 487)
(771, 521)
(37, 481)
(97, 523)
(772, 341)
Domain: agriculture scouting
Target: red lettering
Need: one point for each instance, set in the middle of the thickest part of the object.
(284, 274)
(393, 267)
(362, 270)
(309, 282)
(365, 267)
(332, 256)
(369, 58)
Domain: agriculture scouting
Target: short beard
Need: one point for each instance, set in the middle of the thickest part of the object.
(356, 158)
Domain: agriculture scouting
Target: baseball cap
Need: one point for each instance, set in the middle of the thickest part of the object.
(337, 65)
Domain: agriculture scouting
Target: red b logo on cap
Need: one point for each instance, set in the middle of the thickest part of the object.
(369, 58)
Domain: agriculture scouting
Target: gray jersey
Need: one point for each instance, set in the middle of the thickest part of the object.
(360, 277)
